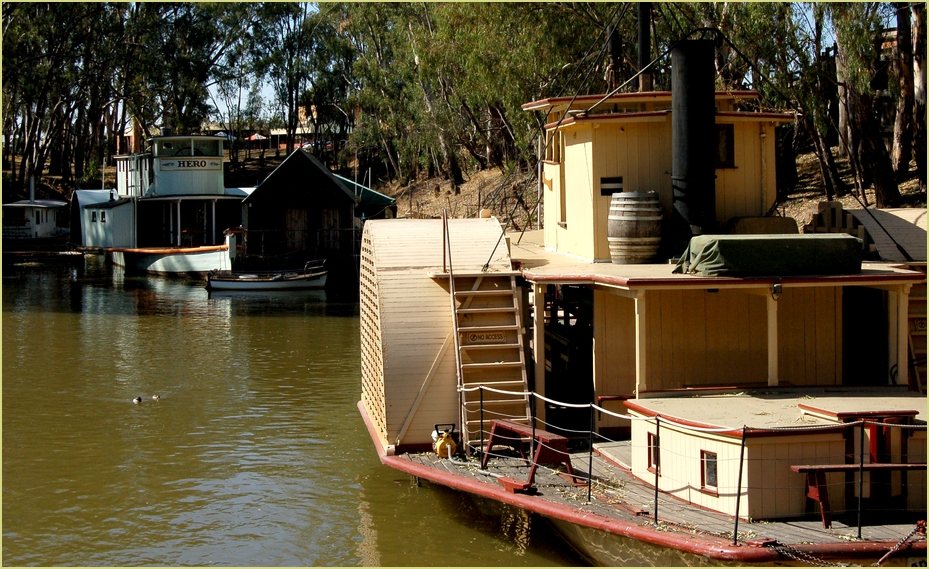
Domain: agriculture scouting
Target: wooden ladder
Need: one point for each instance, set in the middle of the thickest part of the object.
(490, 352)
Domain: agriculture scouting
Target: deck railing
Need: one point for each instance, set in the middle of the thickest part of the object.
(853, 462)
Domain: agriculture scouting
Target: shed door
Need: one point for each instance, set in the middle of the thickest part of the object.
(295, 229)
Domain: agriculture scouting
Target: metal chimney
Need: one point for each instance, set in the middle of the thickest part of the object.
(693, 135)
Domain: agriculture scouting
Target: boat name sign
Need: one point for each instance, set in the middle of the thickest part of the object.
(191, 164)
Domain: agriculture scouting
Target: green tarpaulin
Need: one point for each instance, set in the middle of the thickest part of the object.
(771, 255)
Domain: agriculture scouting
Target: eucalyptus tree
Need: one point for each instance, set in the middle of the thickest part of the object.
(330, 83)
(285, 37)
(385, 88)
(859, 34)
(56, 84)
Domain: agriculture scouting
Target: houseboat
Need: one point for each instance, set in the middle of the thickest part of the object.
(34, 221)
(664, 372)
(169, 212)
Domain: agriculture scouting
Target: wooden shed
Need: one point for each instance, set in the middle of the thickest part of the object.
(408, 344)
(299, 212)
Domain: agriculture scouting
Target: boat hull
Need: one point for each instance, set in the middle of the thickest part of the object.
(245, 282)
(176, 261)
(608, 541)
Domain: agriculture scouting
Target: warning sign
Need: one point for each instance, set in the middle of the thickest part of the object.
(484, 337)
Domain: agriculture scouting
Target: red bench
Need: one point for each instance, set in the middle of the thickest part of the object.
(816, 479)
(551, 449)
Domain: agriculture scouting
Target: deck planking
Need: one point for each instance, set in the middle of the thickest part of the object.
(619, 496)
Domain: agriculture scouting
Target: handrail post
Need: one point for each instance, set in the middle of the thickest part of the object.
(657, 461)
(860, 475)
(532, 441)
(480, 454)
(590, 455)
(738, 490)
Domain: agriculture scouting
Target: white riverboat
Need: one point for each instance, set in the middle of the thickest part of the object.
(170, 211)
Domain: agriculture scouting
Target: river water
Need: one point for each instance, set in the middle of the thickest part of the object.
(253, 454)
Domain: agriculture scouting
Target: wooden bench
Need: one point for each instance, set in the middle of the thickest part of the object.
(816, 479)
(550, 449)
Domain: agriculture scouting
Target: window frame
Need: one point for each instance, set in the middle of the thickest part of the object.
(707, 458)
(653, 460)
(725, 145)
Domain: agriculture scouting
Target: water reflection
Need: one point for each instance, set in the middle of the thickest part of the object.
(254, 453)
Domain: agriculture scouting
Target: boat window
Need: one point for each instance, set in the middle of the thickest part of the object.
(166, 147)
(654, 452)
(93, 215)
(725, 146)
(708, 478)
(553, 146)
(206, 147)
(102, 217)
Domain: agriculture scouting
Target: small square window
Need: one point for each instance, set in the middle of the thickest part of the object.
(654, 453)
(708, 473)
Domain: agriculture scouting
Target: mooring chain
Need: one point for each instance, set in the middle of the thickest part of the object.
(803, 557)
(920, 527)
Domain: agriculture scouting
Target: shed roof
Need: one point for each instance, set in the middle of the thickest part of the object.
(295, 171)
(301, 166)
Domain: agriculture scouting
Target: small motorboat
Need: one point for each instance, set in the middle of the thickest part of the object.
(313, 276)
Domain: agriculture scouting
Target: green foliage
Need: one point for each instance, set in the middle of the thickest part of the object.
(423, 88)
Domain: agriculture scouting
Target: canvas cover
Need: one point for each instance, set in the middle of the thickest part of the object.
(771, 255)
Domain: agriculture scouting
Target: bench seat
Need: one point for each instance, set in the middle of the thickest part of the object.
(817, 491)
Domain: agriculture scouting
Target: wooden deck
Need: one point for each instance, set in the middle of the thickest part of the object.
(618, 496)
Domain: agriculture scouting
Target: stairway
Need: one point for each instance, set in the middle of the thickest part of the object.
(490, 352)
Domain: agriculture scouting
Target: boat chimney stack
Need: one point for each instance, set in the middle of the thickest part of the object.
(693, 132)
(645, 22)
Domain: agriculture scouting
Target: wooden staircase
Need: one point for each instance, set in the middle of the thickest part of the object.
(490, 352)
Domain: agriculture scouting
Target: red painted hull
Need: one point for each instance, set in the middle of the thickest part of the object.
(710, 547)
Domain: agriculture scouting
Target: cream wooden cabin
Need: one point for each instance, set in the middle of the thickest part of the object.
(625, 145)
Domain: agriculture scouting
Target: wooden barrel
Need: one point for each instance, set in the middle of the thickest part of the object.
(634, 227)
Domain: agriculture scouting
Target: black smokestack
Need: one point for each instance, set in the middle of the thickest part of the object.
(693, 136)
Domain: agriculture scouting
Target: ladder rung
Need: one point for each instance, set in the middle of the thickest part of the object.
(490, 346)
(494, 383)
(491, 310)
(487, 421)
(485, 292)
(491, 365)
(488, 328)
(496, 402)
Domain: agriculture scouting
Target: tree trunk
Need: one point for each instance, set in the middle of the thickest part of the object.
(830, 173)
(786, 164)
(875, 158)
(903, 64)
(918, 11)
(844, 129)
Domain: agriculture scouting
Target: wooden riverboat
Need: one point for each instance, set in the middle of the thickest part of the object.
(752, 402)
(751, 507)
(313, 276)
